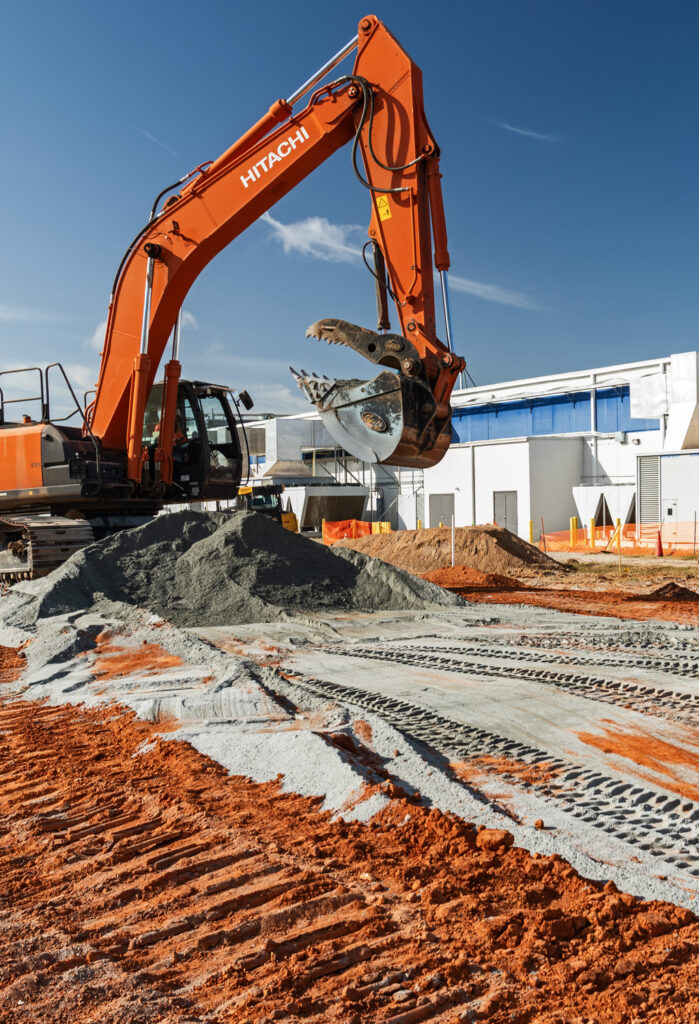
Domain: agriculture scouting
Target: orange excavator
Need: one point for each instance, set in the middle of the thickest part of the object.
(143, 444)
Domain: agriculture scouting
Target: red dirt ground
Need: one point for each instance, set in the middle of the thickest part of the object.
(11, 663)
(620, 604)
(142, 884)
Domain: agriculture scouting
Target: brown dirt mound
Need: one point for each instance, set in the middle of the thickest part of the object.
(671, 592)
(491, 549)
(143, 884)
(462, 577)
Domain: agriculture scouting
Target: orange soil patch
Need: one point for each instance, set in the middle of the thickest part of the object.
(11, 663)
(532, 774)
(363, 730)
(113, 661)
(463, 576)
(619, 604)
(643, 748)
(142, 883)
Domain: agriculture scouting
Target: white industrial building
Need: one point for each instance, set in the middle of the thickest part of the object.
(598, 444)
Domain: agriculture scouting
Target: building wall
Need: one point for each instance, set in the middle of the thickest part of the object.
(501, 467)
(555, 467)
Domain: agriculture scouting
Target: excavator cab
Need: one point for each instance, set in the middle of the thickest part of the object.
(207, 461)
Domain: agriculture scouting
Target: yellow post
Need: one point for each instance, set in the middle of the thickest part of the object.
(592, 533)
(531, 531)
(442, 525)
(419, 524)
(618, 533)
(573, 527)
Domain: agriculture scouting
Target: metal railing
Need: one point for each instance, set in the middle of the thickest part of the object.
(41, 397)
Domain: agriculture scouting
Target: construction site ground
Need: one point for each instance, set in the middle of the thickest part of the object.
(471, 812)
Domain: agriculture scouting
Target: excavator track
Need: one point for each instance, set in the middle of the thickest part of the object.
(32, 546)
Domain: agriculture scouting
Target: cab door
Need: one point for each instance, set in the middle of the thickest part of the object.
(222, 459)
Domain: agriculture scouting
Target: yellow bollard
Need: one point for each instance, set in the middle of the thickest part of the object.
(592, 534)
(531, 531)
(419, 524)
(442, 525)
(573, 526)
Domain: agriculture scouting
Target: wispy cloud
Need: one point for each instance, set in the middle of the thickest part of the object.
(158, 142)
(96, 339)
(24, 314)
(492, 293)
(318, 238)
(189, 320)
(539, 136)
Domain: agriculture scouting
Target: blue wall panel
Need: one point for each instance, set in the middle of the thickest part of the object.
(552, 414)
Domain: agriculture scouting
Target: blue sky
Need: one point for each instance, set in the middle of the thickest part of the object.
(569, 152)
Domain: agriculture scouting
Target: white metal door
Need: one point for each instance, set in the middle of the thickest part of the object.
(505, 509)
(441, 509)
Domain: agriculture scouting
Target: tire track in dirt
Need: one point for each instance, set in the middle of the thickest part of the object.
(648, 819)
(660, 701)
(142, 884)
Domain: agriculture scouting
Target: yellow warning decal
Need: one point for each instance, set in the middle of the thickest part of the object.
(383, 209)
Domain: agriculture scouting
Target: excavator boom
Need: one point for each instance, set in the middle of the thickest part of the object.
(400, 418)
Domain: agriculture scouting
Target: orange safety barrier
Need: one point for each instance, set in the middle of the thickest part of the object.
(343, 528)
(677, 538)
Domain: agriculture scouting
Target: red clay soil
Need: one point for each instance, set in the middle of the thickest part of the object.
(463, 577)
(142, 884)
(11, 663)
(530, 774)
(113, 661)
(617, 603)
(641, 747)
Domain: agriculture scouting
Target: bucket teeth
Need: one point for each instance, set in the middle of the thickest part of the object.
(389, 419)
(315, 387)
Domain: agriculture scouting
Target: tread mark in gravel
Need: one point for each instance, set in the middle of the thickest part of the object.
(631, 814)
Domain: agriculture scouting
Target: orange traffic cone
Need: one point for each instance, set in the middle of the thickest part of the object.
(659, 546)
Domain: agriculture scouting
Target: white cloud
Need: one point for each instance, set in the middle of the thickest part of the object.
(24, 314)
(81, 377)
(189, 320)
(539, 136)
(96, 339)
(492, 293)
(318, 238)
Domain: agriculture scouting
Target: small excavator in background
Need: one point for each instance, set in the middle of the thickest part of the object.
(142, 444)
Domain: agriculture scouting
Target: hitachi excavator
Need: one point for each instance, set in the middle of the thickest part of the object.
(143, 444)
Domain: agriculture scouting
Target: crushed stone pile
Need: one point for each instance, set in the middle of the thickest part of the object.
(216, 569)
(492, 549)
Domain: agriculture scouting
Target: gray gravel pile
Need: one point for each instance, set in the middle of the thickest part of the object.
(209, 569)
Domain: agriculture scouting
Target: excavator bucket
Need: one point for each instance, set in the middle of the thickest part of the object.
(390, 419)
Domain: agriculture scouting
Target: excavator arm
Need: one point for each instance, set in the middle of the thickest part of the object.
(400, 418)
